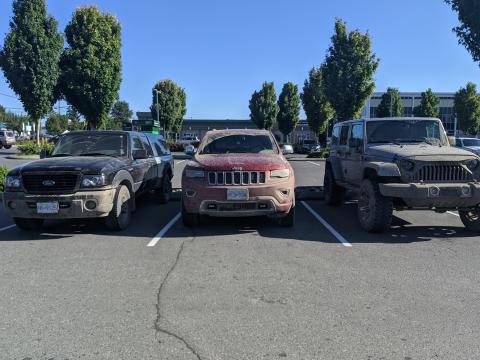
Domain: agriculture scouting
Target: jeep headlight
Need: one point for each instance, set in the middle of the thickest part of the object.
(192, 173)
(473, 164)
(13, 182)
(407, 165)
(283, 173)
(91, 181)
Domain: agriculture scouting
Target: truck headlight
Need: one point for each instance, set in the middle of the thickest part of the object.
(90, 181)
(13, 182)
(283, 173)
(191, 173)
(473, 164)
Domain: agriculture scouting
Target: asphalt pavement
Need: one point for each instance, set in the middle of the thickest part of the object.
(242, 289)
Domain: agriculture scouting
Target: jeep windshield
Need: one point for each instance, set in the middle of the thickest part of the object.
(471, 142)
(91, 144)
(405, 131)
(238, 144)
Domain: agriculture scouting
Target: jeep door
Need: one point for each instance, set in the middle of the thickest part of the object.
(341, 153)
(353, 168)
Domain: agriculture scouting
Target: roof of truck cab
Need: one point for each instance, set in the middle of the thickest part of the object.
(388, 119)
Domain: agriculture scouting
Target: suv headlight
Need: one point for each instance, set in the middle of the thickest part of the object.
(90, 181)
(283, 173)
(13, 182)
(192, 173)
(473, 164)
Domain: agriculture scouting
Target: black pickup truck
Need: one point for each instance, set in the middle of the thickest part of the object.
(90, 174)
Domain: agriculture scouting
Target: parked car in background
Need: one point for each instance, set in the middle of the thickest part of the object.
(470, 144)
(238, 173)
(89, 174)
(307, 146)
(7, 139)
(187, 140)
(287, 149)
(190, 150)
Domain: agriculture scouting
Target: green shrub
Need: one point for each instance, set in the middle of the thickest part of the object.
(175, 147)
(31, 148)
(3, 175)
(323, 154)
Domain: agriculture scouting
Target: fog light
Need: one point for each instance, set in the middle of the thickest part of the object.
(466, 191)
(90, 205)
(12, 205)
(262, 206)
(212, 206)
(434, 191)
(285, 192)
(190, 193)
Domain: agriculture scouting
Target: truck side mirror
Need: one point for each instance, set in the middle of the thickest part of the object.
(452, 140)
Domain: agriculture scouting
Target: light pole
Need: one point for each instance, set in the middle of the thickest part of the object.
(158, 114)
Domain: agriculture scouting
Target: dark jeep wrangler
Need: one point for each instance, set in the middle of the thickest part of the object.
(90, 174)
(401, 163)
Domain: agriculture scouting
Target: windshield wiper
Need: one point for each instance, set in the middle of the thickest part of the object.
(97, 154)
(61, 155)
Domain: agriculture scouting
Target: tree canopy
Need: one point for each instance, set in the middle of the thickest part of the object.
(172, 105)
(91, 64)
(428, 106)
(30, 57)
(391, 104)
(56, 124)
(289, 108)
(263, 106)
(348, 73)
(467, 109)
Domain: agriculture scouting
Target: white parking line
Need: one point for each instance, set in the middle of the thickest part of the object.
(314, 163)
(327, 225)
(452, 213)
(181, 161)
(165, 229)
(7, 227)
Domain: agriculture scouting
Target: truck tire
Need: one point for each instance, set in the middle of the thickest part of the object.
(334, 194)
(289, 220)
(121, 214)
(471, 219)
(164, 192)
(374, 210)
(189, 220)
(28, 224)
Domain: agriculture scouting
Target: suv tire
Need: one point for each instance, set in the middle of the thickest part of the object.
(289, 220)
(164, 192)
(28, 224)
(334, 194)
(374, 210)
(471, 219)
(189, 220)
(121, 214)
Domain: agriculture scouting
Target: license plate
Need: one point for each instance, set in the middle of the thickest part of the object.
(47, 208)
(237, 194)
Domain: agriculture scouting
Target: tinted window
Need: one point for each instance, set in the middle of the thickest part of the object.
(335, 135)
(146, 145)
(137, 143)
(357, 132)
(344, 135)
(471, 142)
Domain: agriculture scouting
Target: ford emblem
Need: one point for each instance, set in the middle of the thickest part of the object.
(48, 182)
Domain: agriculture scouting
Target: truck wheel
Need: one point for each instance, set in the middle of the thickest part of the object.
(28, 224)
(334, 194)
(374, 210)
(121, 214)
(289, 220)
(164, 192)
(189, 220)
(471, 219)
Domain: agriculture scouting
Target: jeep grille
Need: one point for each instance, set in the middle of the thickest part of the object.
(236, 177)
(63, 183)
(443, 173)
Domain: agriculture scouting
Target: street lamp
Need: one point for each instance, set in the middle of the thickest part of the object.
(158, 114)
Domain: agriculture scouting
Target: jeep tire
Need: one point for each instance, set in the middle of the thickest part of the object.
(28, 224)
(374, 210)
(121, 214)
(471, 219)
(189, 220)
(334, 194)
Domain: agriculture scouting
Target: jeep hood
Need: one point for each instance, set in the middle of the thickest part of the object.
(247, 162)
(422, 152)
(83, 164)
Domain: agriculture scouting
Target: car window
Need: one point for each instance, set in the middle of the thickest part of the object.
(137, 143)
(458, 142)
(90, 143)
(2, 133)
(335, 135)
(471, 142)
(146, 145)
(357, 132)
(9, 133)
(344, 135)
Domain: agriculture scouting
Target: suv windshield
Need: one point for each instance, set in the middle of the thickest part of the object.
(91, 144)
(471, 142)
(238, 144)
(405, 131)
(9, 133)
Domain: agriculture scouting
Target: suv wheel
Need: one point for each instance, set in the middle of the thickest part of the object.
(28, 224)
(374, 210)
(471, 219)
(121, 214)
(289, 220)
(334, 194)
(8, 146)
(190, 220)
(166, 189)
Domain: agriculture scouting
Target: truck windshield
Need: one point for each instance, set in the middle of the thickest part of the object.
(91, 144)
(238, 144)
(405, 131)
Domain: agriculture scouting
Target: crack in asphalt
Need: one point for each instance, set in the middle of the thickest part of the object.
(158, 320)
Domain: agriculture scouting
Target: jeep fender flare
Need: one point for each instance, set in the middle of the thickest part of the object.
(382, 169)
(123, 176)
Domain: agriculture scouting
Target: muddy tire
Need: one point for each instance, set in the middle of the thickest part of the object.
(190, 220)
(121, 214)
(163, 194)
(334, 194)
(374, 210)
(289, 220)
(28, 224)
(471, 219)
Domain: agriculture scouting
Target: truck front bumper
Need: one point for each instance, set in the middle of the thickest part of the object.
(78, 205)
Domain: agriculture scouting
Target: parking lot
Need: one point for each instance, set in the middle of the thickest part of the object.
(242, 289)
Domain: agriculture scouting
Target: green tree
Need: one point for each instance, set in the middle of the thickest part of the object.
(30, 56)
(469, 31)
(14, 121)
(2, 114)
(467, 109)
(349, 69)
(428, 106)
(315, 104)
(288, 109)
(263, 106)
(91, 65)
(172, 105)
(391, 104)
(74, 119)
(56, 124)
(121, 112)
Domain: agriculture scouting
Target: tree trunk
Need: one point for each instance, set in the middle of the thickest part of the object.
(38, 126)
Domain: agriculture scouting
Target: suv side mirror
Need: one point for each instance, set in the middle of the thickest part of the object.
(139, 154)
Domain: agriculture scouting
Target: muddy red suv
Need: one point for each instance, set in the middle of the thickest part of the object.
(238, 173)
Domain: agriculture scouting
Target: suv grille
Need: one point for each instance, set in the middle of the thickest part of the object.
(64, 183)
(443, 173)
(236, 177)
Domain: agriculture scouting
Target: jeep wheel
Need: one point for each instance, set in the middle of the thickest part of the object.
(374, 210)
(28, 224)
(289, 220)
(190, 220)
(164, 192)
(334, 194)
(471, 219)
(121, 214)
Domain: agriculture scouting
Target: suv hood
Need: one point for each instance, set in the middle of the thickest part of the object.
(422, 151)
(247, 162)
(83, 164)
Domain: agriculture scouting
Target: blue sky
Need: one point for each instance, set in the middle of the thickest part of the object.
(220, 51)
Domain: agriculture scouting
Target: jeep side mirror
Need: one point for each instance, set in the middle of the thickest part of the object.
(452, 140)
(139, 154)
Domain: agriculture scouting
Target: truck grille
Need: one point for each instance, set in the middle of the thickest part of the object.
(443, 173)
(64, 183)
(236, 177)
